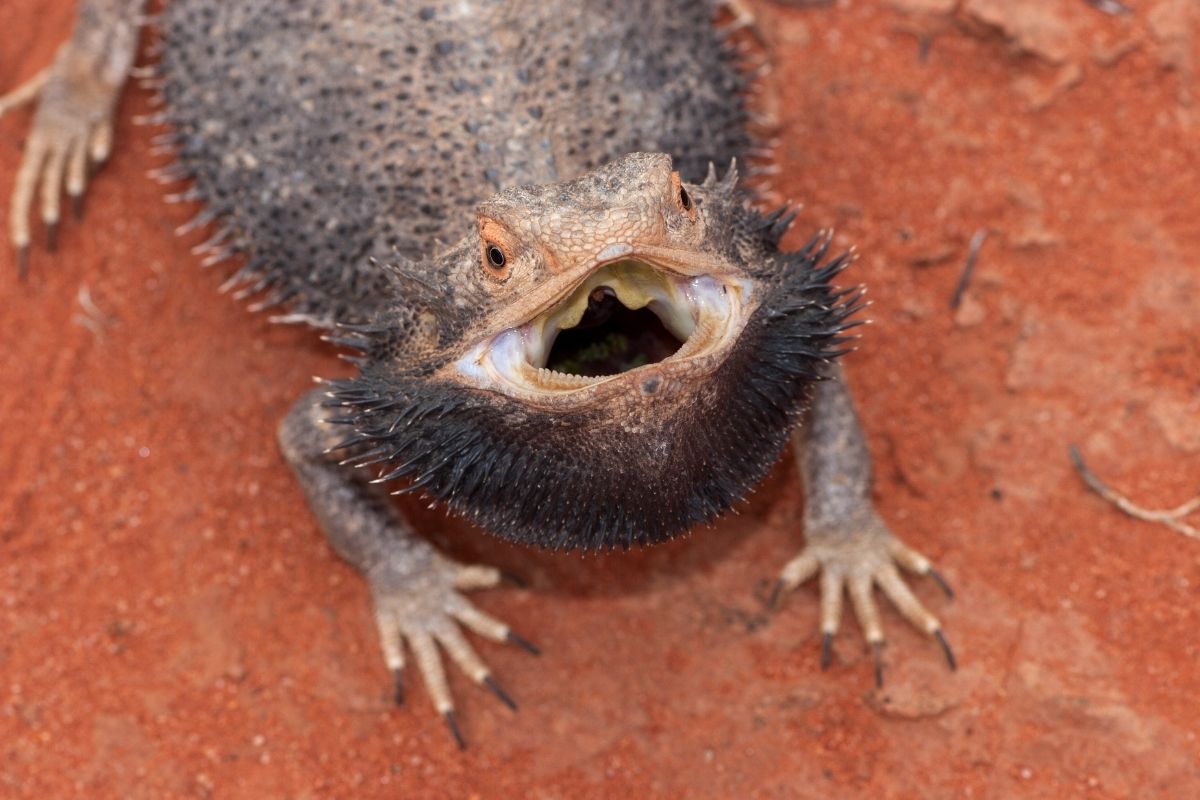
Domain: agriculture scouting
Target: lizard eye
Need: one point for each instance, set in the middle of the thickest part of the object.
(495, 250)
(685, 199)
(496, 263)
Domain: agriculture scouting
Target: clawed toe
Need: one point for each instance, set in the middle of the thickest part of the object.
(25, 93)
(452, 724)
(524, 644)
(54, 160)
(946, 649)
(451, 641)
(429, 623)
(73, 122)
(942, 583)
(398, 686)
(877, 657)
(826, 650)
(490, 683)
(858, 569)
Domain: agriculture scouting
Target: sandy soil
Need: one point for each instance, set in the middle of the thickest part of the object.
(173, 625)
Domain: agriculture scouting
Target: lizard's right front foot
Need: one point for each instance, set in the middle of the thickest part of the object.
(860, 554)
(418, 601)
(73, 123)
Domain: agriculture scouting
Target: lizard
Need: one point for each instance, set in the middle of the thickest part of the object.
(567, 326)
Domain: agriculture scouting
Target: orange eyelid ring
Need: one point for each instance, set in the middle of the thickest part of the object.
(495, 250)
(682, 198)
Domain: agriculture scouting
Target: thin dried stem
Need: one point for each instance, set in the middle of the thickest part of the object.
(1172, 518)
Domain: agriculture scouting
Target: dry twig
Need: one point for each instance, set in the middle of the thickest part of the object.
(1172, 518)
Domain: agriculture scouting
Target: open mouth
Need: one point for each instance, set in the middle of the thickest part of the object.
(624, 316)
(611, 338)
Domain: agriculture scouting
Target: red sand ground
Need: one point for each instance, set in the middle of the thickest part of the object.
(174, 626)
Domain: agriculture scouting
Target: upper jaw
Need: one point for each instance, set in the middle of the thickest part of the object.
(697, 297)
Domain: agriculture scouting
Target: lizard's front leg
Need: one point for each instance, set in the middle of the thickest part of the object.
(78, 94)
(847, 542)
(417, 592)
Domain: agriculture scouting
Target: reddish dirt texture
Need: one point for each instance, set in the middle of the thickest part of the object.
(172, 624)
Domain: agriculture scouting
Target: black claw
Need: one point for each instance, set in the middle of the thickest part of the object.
(826, 650)
(77, 206)
(941, 637)
(515, 580)
(524, 644)
(452, 724)
(22, 261)
(52, 236)
(398, 686)
(490, 682)
(940, 581)
(877, 654)
(776, 594)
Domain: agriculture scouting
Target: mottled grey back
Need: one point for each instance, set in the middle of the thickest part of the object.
(327, 131)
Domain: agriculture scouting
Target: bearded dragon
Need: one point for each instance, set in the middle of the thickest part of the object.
(567, 327)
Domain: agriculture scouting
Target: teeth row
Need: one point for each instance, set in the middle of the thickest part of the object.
(552, 379)
(703, 332)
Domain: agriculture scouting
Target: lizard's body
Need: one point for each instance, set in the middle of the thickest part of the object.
(343, 130)
(329, 139)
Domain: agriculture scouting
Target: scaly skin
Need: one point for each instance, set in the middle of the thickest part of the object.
(848, 544)
(339, 146)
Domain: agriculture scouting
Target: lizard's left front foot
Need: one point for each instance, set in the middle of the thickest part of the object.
(418, 601)
(860, 554)
(73, 124)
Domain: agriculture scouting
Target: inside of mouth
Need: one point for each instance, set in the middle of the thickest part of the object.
(622, 316)
(611, 338)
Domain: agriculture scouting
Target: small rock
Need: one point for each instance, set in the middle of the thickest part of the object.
(1034, 26)
(970, 312)
(925, 6)
(1109, 54)
(1035, 234)
(1179, 421)
(933, 256)
(1173, 24)
(1039, 95)
(915, 308)
(1025, 194)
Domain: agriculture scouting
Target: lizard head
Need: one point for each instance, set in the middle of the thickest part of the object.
(601, 362)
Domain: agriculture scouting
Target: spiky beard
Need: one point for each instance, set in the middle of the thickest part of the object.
(582, 480)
